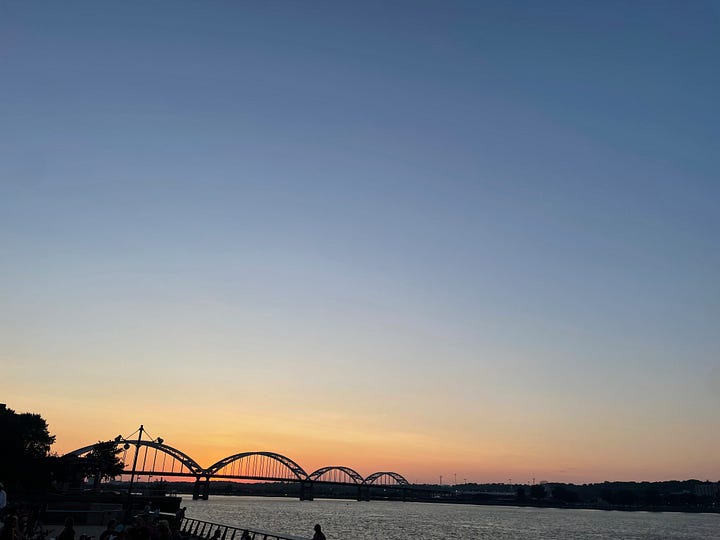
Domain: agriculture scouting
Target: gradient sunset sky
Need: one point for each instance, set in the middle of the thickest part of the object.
(472, 238)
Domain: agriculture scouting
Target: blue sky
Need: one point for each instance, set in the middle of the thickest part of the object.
(445, 206)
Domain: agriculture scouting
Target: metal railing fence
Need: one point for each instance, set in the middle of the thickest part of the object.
(206, 530)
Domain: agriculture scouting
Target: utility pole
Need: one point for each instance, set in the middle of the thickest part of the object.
(132, 476)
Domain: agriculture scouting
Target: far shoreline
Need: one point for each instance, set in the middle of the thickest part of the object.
(510, 504)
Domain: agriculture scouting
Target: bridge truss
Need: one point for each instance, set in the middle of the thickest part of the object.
(154, 458)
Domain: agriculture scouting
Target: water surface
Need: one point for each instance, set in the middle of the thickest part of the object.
(353, 520)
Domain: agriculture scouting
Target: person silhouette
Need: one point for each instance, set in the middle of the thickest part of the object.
(180, 515)
(3, 499)
(10, 530)
(109, 530)
(318, 533)
(68, 533)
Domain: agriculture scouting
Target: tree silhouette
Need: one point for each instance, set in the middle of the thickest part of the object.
(103, 461)
(537, 491)
(562, 493)
(26, 443)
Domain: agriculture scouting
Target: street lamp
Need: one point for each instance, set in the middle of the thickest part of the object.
(128, 506)
(119, 438)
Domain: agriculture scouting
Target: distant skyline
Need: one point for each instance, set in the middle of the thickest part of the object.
(472, 238)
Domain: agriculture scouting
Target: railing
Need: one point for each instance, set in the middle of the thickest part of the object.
(206, 530)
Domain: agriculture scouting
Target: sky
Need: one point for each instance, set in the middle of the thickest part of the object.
(439, 238)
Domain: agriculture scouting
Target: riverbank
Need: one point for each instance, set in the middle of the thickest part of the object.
(578, 506)
(510, 502)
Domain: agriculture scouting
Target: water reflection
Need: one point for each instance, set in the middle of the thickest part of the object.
(352, 520)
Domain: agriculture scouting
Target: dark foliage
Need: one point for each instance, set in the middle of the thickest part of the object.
(26, 443)
(564, 494)
(103, 461)
(537, 491)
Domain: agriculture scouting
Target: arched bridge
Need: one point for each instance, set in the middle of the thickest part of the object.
(154, 458)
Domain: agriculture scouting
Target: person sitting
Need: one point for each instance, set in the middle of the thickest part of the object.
(118, 533)
(163, 530)
(109, 530)
(11, 530)
(68, 533)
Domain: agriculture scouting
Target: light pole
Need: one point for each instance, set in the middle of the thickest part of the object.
(137, 443)
(132, 475)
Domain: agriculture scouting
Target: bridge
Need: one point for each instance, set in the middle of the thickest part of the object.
(154, 458)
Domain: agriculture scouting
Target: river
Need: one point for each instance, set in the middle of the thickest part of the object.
(353, 520)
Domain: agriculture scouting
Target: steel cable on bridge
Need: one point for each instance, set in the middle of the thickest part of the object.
(267, 466)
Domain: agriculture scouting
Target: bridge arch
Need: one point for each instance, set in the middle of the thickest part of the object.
(259, 465)
(386, 478)
(336, 474)
(177, 457)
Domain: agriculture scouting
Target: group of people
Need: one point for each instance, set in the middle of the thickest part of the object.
(18, 521)
(18, 526)
(143, 527)
(146, 526)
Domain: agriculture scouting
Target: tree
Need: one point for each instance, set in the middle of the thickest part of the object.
(562, 493)
(103, 461)
(26, 443)
(537, 491)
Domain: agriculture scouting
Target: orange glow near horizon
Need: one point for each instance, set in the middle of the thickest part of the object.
(419, 458)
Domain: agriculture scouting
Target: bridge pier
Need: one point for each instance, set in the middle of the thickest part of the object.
(206, 489)
(363, 492)
(306, 491)
(201, 489)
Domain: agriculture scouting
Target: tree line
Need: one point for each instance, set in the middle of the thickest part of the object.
(27, 464)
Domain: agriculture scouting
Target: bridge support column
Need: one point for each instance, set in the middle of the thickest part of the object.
(363, 492)
(201, 489)
(206, 489)
(306, 491)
